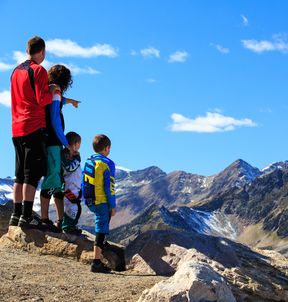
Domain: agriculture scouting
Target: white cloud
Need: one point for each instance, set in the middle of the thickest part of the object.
(178, 56)
(5, 98)
(5, 67)
(75, 69)
(212, 122)
(151, 80)
(245, 20)
(150, 52)
(218, 110)
(265, 110)
(48, 64)
(278, 43)
(68, 48)
(220, 48)
(80, 70)
(133, 52)
(19, 56)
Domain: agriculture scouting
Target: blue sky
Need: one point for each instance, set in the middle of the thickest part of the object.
(184, 85)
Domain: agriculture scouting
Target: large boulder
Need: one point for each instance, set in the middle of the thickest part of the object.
(193, 282)
(75, 247)
(251, 275)
(162, 250)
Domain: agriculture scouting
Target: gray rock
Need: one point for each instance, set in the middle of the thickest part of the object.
(195, 282)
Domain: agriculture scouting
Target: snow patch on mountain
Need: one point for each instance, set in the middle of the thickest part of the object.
(214, 224)
(6, 193)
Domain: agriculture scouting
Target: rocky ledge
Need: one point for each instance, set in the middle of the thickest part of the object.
(201, 267)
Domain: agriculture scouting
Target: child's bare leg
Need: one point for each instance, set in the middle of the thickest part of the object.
(44, 207)
(97, 252)
(98, 245)
(59, 207)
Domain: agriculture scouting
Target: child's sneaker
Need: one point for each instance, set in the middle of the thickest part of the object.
(73, 231)
(14, 220)
(59, 224)
(100, 268)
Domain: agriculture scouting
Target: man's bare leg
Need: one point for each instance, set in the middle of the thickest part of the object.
(28, 192)
(17, 193)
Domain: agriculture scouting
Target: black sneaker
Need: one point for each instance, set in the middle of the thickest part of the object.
(48, 225)
(31, 222)
(14, 220)
(100, 268)
(73, 231)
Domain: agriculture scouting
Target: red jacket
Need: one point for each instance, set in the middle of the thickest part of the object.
(27, 105)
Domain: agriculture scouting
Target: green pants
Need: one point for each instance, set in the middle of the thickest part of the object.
(53, 178)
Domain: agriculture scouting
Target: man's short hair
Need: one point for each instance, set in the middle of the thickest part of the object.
(100, 142)
(73, 138)
(35, 45)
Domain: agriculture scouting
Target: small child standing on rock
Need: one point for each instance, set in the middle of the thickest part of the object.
(72, 174)
(98, 185)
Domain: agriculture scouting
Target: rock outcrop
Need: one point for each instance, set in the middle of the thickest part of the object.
(63, 245)
(202, 268)
(193, 281)
(251, 276)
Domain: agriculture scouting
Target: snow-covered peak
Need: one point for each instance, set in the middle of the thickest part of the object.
(275, 166)
(246, 170)
(123, 169)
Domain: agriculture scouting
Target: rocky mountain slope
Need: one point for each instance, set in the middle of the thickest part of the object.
(263, 203)
(241, 202)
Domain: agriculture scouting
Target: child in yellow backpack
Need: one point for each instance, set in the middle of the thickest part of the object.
(98, 186)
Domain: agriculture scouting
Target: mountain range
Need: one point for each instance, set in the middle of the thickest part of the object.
(241, 202)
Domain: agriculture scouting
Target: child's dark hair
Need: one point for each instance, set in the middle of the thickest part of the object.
(73, 138)
(35, 45)
(100, 142)
(61, 76)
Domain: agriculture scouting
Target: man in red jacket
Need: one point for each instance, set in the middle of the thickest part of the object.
(29, 95)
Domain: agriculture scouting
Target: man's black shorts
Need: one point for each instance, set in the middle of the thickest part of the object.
(30, 157)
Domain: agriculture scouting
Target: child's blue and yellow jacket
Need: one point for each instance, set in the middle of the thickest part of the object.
(98, 183)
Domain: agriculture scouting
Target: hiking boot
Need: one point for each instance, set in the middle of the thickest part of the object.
(73, 231)
(14, 220)
(29, 222)
(100, 268)
(48, 225)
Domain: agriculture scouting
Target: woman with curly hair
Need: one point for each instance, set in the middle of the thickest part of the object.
(52, 183)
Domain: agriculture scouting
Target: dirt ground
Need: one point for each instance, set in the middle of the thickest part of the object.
(28, 277)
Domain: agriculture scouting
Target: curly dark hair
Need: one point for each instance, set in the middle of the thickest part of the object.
(60, 75)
